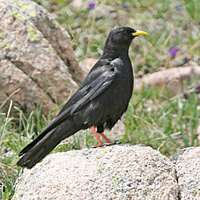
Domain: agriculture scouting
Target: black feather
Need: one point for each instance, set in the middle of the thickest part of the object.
(100, 101)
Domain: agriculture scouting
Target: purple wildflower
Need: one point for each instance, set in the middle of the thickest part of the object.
(126, 5)
(79, 21)
(91, 5)
(173, 51)
(185, 95)
(178, 7)
(4, 150)
(197, 89)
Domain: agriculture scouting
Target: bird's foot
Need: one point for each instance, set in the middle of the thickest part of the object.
(108, 143)
(103, 144)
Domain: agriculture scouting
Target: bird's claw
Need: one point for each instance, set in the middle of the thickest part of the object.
(103, 144)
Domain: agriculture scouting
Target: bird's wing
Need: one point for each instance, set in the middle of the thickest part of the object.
(96, 82)
(99, 80)
(99, 75)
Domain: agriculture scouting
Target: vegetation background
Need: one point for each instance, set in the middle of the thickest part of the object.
(155, 117)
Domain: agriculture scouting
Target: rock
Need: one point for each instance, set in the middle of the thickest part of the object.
(37, 62)
(188, 167)
(172, 78)
(112, 172)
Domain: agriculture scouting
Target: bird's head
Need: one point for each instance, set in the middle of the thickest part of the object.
(120, 39)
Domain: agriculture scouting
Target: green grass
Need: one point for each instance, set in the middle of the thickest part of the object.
(155, 117)
(165, 122)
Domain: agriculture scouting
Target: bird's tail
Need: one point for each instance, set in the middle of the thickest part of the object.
(41, 148)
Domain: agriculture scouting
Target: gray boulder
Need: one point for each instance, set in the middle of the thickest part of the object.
(37, 62)
(188, 174)
(113, 172)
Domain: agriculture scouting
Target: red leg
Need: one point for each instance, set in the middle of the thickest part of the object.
(98, 139)
(105, 138)
(96, 136)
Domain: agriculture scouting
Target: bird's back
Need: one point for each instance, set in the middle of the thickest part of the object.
(107, 108)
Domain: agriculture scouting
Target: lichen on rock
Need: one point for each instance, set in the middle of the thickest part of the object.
(36, 57)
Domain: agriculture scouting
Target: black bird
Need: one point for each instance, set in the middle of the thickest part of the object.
(99, 102)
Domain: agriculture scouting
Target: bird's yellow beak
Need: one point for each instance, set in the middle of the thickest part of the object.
(139, 33)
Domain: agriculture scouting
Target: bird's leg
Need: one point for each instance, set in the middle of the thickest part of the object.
(105, 138)
(98, 139)
(96, 136)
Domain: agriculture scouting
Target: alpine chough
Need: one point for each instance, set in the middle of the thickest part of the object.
(99, 102)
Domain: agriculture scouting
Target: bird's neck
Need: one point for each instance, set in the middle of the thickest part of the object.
(114, 50)
(113, 53)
